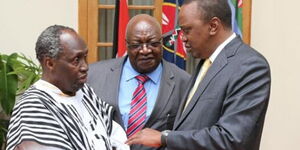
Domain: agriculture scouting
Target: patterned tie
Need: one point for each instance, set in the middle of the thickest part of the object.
(201, 74)
(137, 114)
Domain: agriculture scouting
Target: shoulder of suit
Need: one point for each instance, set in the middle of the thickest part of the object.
(173, 69)
(106, 63)
(246, 52)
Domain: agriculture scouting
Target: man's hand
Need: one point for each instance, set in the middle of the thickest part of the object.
(147, 137)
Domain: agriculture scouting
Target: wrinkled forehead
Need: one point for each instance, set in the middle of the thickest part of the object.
(144, 29)
(71, 40)
(143, 26)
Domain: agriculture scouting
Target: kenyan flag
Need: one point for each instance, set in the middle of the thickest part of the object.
(237, 15)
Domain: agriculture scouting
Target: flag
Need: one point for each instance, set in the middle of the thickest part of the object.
(121, 20)
(173, 48)
(236, 7)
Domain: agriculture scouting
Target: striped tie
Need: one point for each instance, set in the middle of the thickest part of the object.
(137, 114)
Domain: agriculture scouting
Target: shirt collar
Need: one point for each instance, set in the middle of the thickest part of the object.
(130, 72)
(46, 86)
(220, 47)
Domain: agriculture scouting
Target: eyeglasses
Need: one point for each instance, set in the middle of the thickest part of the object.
(139, 46)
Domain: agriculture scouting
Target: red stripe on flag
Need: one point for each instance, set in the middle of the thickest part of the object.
(123, 20)
(180, 47)
(240, 3)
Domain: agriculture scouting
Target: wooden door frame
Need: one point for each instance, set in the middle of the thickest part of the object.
(247, 7)
(83, 19)
(87, 21)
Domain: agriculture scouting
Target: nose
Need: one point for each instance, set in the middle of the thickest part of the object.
(84, 67)
(183, 38)
(145, 49)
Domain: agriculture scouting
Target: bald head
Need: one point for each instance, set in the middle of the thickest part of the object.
(141, 22)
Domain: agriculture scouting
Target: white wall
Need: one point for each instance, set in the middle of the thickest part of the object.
(275, 33)
(21, 22)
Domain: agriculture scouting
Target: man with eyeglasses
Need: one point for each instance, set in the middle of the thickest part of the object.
(144, 89)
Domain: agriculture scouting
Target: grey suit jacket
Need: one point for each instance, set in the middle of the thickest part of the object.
(104, 77)
(228, 109)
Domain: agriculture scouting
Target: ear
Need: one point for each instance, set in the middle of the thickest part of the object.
(49, 63)
(214, 25)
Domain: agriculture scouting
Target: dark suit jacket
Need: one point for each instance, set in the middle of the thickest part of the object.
(228, 109)
(104, 77)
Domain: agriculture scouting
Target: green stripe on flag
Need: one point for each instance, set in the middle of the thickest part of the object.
(238, 13)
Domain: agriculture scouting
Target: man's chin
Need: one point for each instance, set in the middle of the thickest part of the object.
(147, 69)
(78, 86)
(188, 49)
(195, 55)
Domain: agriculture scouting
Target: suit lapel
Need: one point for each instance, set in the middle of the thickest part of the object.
(165, 90)
(187, 91)
(112, 81)
(213, 70)
(219, 63)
